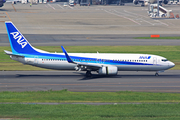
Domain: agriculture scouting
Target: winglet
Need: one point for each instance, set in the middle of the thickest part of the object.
(67, 56)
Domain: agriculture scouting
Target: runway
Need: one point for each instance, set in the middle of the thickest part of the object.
(76, 81)
(53, 25)
(91, 40)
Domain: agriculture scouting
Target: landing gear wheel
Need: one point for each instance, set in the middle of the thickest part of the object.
(88, 74)
(156, 74)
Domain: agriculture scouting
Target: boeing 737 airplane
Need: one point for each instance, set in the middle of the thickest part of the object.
(103, 63)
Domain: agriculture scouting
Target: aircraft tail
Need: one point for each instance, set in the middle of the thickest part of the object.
(18, 42)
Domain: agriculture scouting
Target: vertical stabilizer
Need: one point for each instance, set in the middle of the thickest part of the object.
(18, 42)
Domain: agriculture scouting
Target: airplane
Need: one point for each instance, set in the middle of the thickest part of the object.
(103, 63)
(146, 2)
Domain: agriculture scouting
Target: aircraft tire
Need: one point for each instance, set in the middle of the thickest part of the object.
(88, 74)
(156, 74)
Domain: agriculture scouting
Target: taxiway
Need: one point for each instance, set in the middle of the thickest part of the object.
(76, 81)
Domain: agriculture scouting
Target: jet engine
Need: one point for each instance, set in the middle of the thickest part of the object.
(2, 2)
(166, 1)
(135, 2)
(109, 70)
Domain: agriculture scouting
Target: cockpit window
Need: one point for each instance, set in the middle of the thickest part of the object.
(164, 60)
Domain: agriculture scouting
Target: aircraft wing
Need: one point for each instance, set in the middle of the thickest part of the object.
(10, 53)
(90, 64)
(87, 65)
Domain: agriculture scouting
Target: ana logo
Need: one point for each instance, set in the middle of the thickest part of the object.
(144, 57)
(17, 36)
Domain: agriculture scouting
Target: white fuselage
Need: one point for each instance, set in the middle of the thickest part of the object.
(124, 62)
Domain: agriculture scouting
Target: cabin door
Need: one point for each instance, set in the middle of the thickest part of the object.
(155, 61)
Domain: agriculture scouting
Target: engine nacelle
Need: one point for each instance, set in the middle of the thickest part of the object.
(135, 2)
(1, 4)
(166, 1)
(109, 70)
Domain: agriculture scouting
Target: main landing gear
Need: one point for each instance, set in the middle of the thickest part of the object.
(88, 73)
(156, 74)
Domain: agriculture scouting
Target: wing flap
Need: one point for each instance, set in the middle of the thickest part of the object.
(90, 65)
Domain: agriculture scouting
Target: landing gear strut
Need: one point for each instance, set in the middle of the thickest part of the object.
(156, 74)
(88, 74)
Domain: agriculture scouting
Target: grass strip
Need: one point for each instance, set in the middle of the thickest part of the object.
(12, 66)
(68, 96)
(168, 38)
(91, 112)
(170, 52)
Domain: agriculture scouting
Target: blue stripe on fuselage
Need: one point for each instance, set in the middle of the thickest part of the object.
(82, 59)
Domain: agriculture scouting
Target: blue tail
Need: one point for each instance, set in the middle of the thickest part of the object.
(18, 42)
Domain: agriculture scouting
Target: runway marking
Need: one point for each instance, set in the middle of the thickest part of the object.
(123, 17)
(51, 7)
(2, 16)
(138, 18)
(8, 16)
(117, 83)
(14, 7)
(46, 6)
(135, 14)
(70, 7)
(94, 84)
(172, 24)
(125, 14)
(60, 6)
(161, 22)
(147, 17)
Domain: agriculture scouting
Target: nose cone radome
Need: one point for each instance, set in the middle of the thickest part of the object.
(171, 64)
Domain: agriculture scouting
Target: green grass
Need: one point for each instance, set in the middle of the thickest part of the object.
(145, 111)
(67, 96)
(91, 112)
(176, 38)
(170, 52)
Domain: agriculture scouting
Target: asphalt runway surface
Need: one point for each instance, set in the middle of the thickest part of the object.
(90, 40)
(169, 81)
(54, 25)
(53, 18)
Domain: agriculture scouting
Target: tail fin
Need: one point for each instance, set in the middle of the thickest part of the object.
(18, 42)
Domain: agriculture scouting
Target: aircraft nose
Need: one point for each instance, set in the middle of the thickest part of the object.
(171, 64)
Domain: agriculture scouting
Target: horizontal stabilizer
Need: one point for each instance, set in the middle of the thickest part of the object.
(10, 53)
